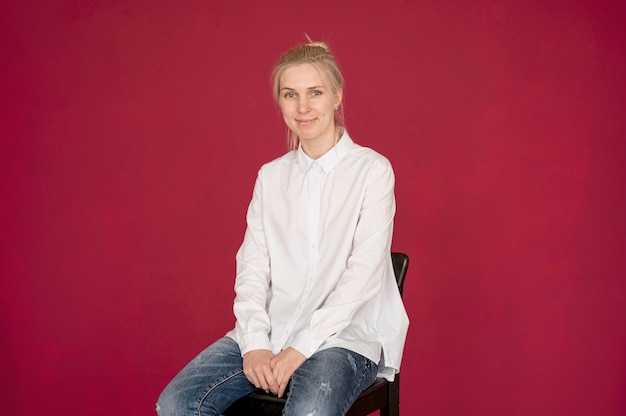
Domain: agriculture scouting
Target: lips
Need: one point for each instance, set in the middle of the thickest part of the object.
(305, 123)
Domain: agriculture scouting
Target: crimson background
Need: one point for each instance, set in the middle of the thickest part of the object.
(131, 137)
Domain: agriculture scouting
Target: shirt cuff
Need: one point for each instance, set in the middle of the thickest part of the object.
(306, 344)
(254, 341)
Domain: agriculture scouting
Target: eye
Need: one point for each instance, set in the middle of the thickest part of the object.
(289, 95)
(316, 93)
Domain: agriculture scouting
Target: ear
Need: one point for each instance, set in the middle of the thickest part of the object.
(338, 98)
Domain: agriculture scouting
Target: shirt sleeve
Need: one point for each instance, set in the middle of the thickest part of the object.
(253, 280)
(366, 265)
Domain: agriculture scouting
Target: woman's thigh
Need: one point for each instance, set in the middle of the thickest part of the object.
(329, 382)
(208, 384)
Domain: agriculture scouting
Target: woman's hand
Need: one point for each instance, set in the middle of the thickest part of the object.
(257, 369)
(283, 365)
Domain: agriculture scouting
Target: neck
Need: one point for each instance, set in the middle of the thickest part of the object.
(318, 148)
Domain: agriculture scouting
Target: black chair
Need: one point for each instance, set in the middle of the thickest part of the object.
(381, 395)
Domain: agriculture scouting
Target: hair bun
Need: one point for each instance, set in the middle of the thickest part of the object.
(322, 45)
(313, 44)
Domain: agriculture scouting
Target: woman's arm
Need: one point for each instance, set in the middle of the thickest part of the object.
(253, 280)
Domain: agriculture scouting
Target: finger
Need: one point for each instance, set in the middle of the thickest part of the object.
(276, 386)
(272, 382)
(281, 389)
(253, 379)
(263, 382)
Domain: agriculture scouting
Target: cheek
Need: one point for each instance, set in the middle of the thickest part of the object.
(287, 114)
(285, 108)
(324, 107)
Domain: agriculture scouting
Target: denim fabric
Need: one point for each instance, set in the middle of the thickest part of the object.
(208, 384)
(325, 385)
(328, 383)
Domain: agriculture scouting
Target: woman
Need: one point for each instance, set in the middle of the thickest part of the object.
(317, 307)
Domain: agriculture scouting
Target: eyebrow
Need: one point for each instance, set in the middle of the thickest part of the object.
(317, 87)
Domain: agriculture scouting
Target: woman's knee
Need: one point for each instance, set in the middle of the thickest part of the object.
(194, 387)
(170, 404)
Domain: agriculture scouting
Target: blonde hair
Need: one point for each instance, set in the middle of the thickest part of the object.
(319, 55)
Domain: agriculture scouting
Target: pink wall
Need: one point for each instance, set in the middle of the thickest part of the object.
(131, 136)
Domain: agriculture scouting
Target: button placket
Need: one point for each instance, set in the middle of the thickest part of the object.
(314, 183)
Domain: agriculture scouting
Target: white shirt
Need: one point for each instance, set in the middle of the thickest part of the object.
(314, 270)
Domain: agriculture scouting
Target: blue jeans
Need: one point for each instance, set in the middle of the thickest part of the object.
(325, 385)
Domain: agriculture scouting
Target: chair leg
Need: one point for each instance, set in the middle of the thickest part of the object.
(393, 393)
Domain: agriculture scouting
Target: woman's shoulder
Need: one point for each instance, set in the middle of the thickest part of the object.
(352, 146)
(288, 157)
(365, 151)
(280, 162)
(370, 156)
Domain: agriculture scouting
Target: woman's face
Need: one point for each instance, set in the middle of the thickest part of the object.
(308, 105)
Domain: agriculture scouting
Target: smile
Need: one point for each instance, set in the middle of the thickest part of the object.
(305, 123)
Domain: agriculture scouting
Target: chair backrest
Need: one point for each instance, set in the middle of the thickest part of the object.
(400, 266)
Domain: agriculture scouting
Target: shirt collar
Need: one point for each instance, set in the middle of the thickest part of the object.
(330, 159)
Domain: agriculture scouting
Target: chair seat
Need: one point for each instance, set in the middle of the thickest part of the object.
(370, 400)
(380, 395)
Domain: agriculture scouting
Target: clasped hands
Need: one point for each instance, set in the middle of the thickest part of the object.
(272, 372)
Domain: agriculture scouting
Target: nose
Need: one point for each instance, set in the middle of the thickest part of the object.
(303, 105)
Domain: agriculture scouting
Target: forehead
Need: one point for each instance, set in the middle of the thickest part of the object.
(302, 76)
